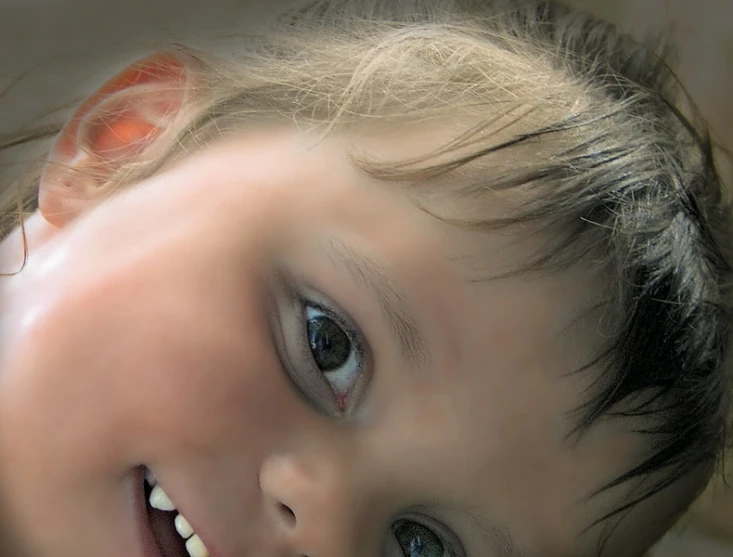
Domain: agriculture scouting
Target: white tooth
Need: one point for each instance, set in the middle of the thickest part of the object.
(196, 547)
(150, 477)
(183, 527)
(159, 500)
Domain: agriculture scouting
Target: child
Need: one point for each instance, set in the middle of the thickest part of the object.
(443, 278)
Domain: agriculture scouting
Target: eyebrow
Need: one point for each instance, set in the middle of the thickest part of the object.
(393, 304)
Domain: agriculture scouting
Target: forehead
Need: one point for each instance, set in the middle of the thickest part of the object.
(533, 314)
(320, 191)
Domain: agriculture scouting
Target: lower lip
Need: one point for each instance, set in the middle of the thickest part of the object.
(149, 545)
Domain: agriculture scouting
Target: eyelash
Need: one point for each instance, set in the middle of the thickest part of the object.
(297, 355)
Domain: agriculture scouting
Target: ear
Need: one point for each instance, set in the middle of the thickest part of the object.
(113, 126)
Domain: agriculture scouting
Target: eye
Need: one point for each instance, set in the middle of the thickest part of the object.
(321, 349)
(335, 349)
(417, 540)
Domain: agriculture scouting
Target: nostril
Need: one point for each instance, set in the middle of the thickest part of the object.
(287, 515)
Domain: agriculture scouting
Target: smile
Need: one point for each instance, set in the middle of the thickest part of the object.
(173, 534)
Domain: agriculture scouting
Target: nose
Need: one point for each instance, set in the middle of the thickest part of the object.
(312, 508)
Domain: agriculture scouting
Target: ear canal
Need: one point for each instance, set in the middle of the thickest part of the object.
(113, 126)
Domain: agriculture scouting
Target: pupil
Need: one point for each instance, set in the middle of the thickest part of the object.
(328, 342)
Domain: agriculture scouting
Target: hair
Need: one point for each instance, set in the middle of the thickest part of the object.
(592, 130)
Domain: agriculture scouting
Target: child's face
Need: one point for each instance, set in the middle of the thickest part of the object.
(169, 328)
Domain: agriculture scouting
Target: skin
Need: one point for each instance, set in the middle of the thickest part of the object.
(145, 332)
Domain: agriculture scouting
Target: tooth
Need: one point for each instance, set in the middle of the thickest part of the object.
(183, 527)
(196, 547)
(159, 500)
(150, 478)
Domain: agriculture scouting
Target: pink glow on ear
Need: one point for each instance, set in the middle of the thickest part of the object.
(160, 68)
(120, 134)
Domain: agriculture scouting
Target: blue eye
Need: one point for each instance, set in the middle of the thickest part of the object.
(417, 540)
(335, 350)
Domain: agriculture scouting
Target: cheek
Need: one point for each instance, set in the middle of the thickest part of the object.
(146, 361)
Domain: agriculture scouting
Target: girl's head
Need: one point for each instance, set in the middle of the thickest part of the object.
(441, 278)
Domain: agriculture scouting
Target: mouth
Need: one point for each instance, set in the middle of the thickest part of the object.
(173, 536)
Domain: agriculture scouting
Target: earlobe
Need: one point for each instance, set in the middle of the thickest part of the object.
(113, 127)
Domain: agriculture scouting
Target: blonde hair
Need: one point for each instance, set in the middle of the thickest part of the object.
(580, 119)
